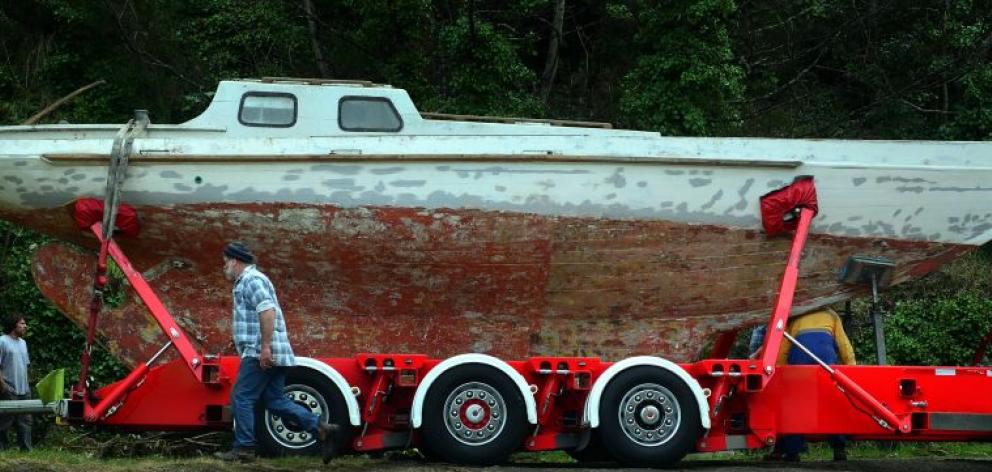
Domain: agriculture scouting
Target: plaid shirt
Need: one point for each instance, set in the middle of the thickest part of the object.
(253, 294)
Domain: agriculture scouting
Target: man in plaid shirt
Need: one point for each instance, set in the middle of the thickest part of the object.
(260, 337)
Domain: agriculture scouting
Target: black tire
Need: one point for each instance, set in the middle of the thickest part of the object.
(593, 453)
(660, 422)
(428, 455)
(314, 391)
(488, 408)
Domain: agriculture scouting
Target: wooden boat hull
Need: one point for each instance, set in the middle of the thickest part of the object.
(444, 282)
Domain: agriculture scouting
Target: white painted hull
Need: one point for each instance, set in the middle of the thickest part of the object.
(939, 192)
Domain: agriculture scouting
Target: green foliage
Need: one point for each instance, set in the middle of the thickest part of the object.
(914, 69)
(830, 68)
(944, 331)
(53, 341)
(231, 38)
(937, 320)
(452, 58)
(684, 81)
(485, 73)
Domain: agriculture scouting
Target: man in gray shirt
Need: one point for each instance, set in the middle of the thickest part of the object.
(14, 384)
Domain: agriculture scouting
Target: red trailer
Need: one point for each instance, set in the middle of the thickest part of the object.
(477, 409)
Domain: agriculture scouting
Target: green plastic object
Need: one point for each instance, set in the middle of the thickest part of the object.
(50, 388)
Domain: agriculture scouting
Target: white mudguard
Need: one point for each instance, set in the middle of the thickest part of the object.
(417, 409)
(590, 416)
(354, 412)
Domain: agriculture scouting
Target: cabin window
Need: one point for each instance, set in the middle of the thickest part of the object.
(270, 109)
(368, 114)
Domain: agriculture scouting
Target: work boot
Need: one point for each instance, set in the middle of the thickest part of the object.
(774, 456)
(242, 455)
(327, 432)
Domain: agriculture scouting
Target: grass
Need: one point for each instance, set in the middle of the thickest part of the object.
(44, 458)
(874, 450)
(66, 450)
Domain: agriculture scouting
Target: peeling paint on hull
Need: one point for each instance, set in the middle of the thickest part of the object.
(444, 282)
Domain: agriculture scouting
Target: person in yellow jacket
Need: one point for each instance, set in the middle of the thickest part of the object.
(823, 334)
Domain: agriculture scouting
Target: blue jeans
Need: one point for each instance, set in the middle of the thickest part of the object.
(254, 384)
(792, 444)
(22, 423)
(820, 343)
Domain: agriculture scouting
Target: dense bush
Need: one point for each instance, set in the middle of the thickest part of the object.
(937, 320)
(53, 341)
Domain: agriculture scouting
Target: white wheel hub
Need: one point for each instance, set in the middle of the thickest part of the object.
(649, 414)
(288, 434)
(474, 413)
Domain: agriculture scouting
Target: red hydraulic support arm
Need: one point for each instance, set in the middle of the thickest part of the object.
(724, 343)
(786, 292)
(158, 311)
(789, 208)
(173, 332)
(878, 411)
(98, 412)
(96, 304)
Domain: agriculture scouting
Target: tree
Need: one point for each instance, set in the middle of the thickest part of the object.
(867, 69)
(684, 80)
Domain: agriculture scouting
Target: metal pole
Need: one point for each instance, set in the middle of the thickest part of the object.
(876, 321)
(25, 407)
(159, 353)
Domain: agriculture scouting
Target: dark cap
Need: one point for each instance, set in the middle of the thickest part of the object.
(238, 251)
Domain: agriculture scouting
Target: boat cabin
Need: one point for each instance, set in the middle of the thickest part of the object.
(288, 107)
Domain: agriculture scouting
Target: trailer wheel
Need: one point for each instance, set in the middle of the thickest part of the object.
(473, 414)
(428, 455)
(594, 452)
(648, 418)
(277, 436)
